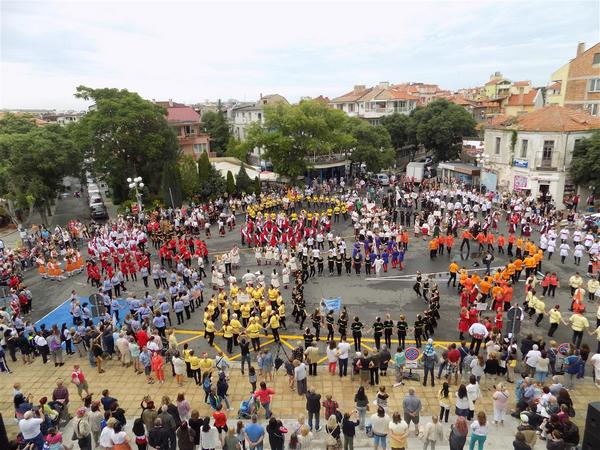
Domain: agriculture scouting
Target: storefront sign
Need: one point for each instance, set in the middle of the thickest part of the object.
(520, 182)
(521, 163)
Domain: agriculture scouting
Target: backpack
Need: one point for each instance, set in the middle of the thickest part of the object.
(55, 344)
(206, 384)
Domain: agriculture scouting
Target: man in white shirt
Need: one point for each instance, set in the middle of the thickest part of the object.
(531, 359)
(30, 428)
(343, 349)
(478, 333)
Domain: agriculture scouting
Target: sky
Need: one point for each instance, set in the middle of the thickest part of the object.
(192, 51)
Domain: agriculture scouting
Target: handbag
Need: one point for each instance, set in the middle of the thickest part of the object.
(75, 436)
(331, 440)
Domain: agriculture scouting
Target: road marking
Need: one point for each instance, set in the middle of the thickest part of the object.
(287, 344)
(412, 277)
(185, 341)
(367, 347)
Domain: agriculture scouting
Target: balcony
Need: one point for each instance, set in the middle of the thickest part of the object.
(547, 163)
(373, 113)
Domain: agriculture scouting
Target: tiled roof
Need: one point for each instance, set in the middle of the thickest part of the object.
(352, 96)
(182, 114)
(169, 104)
(555, 86)
(522, 99)
(522, 83)
(459, 100)
(395, 92)
(551, 118)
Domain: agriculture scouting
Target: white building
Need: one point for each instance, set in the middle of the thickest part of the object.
(532, 152)
(65, 119)
(241, 115)
(375, 102)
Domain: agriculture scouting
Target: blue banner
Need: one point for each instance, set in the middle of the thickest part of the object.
(332, 304)
(521, 163)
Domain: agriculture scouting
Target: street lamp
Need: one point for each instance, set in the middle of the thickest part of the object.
(137, 184)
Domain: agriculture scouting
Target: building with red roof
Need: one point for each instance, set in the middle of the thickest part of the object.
(531, 152)
(186, 123)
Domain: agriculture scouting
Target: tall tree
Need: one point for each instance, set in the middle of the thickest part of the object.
(585, 165)
(291, 133)
(242, 180)
(230, 183)
(440, 127)
(33, 162)
(125, 135)
(401, 129)
(215, 124)
(170, 186)
(188, 172)
(212, 184)
(372, 145)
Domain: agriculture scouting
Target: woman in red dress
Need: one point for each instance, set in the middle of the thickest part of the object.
(463, 323)
(499, 321)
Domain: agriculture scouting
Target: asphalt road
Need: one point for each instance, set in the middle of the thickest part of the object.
(362, 297)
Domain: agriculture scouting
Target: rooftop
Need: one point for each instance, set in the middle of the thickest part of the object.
(182, 114)
(551, 118)
(522, 99)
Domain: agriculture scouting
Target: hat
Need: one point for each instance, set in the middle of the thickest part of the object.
(535, 347)
(81, 411)
(524, 418)
(430, 341)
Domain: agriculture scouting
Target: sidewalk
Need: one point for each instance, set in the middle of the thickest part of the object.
(129, 389)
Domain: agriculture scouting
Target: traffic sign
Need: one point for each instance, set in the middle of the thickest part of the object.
(412, 353)
(563, 349)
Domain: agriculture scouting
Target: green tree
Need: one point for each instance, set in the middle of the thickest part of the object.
(291, 133)
(230, 183)
(585, 165)
(372, 145)
(16, 124)
(125, 135)
(188, 173)
(212, 184)
(33, 162)
(237, 149)
(440, 127)
(214, 123)
(170, 186)
(401, 129)
(257, 188)
(242, 180)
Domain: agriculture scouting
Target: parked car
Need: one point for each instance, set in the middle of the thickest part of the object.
(96, 200)
(99, 212)
(380, 178)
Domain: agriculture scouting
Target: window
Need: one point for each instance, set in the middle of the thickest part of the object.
(547, 153)
(188, 130)
(350, 107)
(594, 85)
(260, 117)
(596, 59)
(524, 143)
(593, 108)
(199, 148)
(497, 148)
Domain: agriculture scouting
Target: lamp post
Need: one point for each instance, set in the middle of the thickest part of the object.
(137, 184)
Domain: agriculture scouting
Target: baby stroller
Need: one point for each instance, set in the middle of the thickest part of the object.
(247, 408)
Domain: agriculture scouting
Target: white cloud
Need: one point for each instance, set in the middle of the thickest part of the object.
(190, 51)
